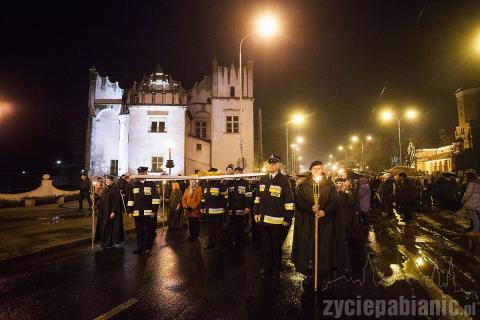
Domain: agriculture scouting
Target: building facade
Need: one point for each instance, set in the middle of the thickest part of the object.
(157, 118)
(467, 133)
(435, 159)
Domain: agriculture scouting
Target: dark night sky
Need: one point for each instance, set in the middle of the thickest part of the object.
(332, 59)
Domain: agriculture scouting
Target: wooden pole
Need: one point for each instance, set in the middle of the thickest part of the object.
(316, 196)
(92, 196)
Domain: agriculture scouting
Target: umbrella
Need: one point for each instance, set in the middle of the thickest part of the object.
(399, 169)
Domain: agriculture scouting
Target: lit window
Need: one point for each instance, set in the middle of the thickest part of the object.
(232, 124)
(157, 126)
(157, 164)
(201, 129)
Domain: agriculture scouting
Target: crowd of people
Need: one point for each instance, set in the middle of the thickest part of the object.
(263, 210)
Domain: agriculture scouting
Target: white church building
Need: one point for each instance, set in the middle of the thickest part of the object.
(200, 127)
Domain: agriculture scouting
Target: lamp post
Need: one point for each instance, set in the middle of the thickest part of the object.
(267, 27)
(296, 119)
(170, 163)
(341, 148)
(388, 115)
(357, 139)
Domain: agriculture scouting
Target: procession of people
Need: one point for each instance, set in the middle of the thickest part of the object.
(328, 213)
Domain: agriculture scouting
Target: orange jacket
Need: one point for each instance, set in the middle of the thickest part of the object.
(192, 202)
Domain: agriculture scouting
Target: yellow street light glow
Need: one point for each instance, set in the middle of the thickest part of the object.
(334, 167)
(170, 144)
(293, 145)
(354, 138)
(387, 115)
(267, 25)
(300, 140)
(330, 156)
(411, 114)
(350, 147)
(300, 158)
(340, 171)
(476, 43)
(340, 148)
(369, 138)
(298, 118)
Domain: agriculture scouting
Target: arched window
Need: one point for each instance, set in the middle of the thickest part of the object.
(232, 91)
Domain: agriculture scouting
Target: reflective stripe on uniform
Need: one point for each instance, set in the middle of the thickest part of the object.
(130, 203)
(147, 212)
(272, 220)
(248, 194)
(239, 212)
(155, 201)
(289, 206)
(216, 210)
(136, 213)
(257, 199)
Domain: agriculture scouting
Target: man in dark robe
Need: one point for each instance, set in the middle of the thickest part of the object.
(303, 249)
(109, 231)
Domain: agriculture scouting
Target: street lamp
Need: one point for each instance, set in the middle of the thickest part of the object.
(341, 148)
(356, 139)
(388, 115)
(476, 42)
(296, 119)
(299, 140)
(267, 26)
(170, 163)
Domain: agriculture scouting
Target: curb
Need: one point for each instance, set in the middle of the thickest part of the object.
(55, 248)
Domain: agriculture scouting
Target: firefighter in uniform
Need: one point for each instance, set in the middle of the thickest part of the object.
(273, 209)
(143, 203)
(215, 195)
(239, 206)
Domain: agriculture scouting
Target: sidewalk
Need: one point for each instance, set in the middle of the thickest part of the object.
(25, 231)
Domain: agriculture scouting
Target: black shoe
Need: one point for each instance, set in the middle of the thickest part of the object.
(208, 246)
(137, 251)
(264, 272)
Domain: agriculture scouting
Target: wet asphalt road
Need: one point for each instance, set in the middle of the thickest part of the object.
(427, 259)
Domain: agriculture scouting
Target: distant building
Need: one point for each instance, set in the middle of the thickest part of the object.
(134, 127)
(434, 159)
(467, 134)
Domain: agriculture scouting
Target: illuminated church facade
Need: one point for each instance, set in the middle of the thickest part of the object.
(157, 118)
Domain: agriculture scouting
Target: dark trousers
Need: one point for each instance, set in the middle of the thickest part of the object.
(272, 240)
(215, 230)
(84, 196)
(237, 227)
(407, 209)
(194, 227)
(389, 208)
(256, 234)
(154, 227)
(143, 227)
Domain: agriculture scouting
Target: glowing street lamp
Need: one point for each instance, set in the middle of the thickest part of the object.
(387, 115)
(356, 139)
(476, 43)
(296, 119)
(299, 140)
(267, 26)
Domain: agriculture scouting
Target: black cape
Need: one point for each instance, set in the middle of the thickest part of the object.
(332, 250)
(109, 231)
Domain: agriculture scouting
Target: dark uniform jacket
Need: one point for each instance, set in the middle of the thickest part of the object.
(239, 196)
(143, 199)
(274, 200)
(215, 195)
(85, 186)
